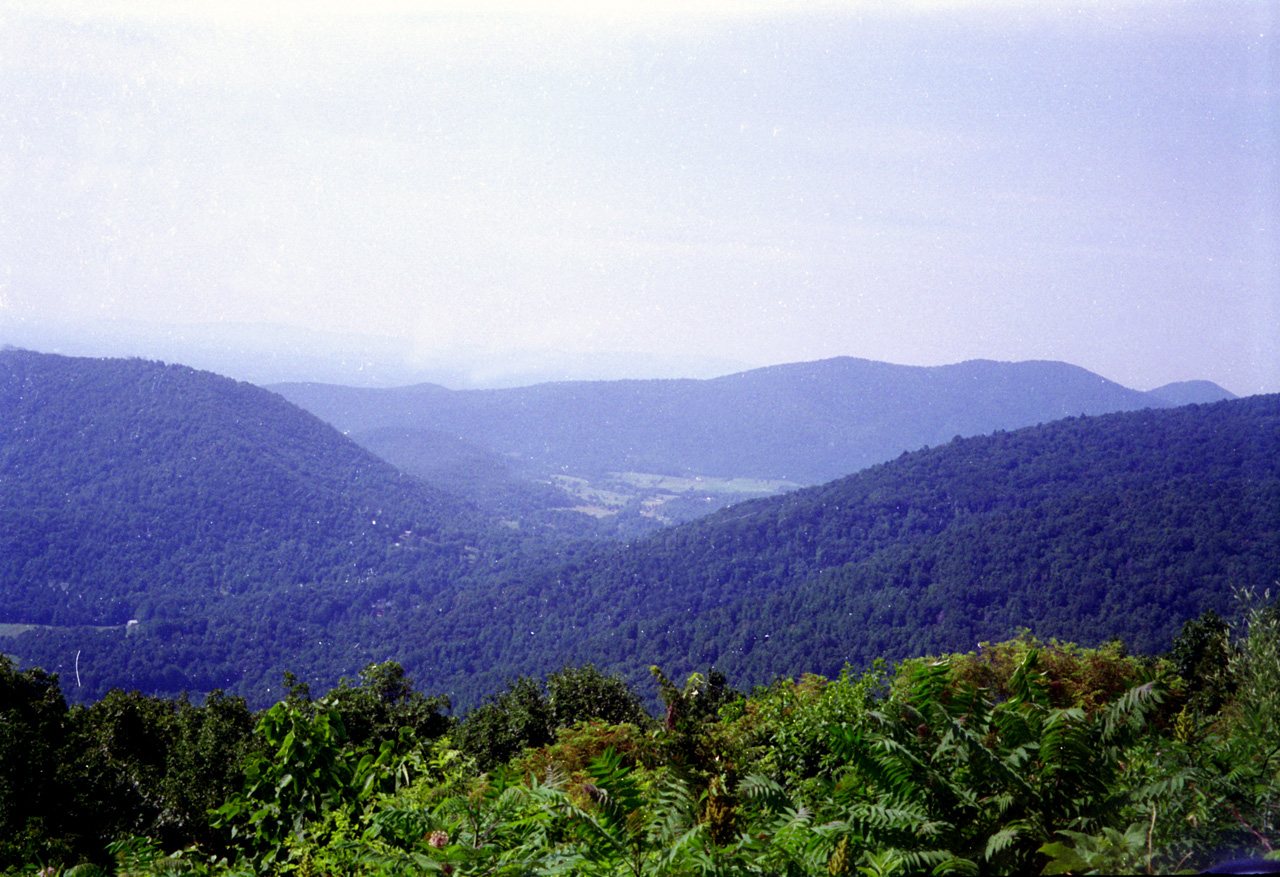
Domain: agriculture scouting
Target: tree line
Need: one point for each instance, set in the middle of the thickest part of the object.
(1024, 756)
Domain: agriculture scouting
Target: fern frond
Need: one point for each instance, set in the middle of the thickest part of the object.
(1003, 839)
(675, 811)
(615, 790)
(894, 861)
(894, 818)
(929, 682)
(1029, 683)
(1067, 749)
(1130, 709)
(766, 792)
(1171, 786)
(983, 759)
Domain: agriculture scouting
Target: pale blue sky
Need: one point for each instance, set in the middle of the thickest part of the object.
(920, 183)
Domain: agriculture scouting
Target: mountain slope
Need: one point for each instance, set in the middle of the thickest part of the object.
(249, 538)
(1122, 525)
(130, 489)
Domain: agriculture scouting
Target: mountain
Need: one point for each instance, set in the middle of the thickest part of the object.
(1125, 525)
(246, 537)
(133, 490)
(779, 427)
(1190, 393)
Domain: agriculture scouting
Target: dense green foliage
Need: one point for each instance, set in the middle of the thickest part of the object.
(522, 715)
(1023, 757)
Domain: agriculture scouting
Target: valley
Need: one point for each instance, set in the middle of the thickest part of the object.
(249, 538)
(603, 446)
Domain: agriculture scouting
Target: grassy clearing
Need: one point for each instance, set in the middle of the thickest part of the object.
(664, 498)
(674, 484)
(12, 630)
(589, 494)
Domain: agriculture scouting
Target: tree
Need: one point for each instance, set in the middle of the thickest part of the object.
(505, 724)
(576, 694)
(305, 772)
(384, 704)
(1202, 657)
(35, 794)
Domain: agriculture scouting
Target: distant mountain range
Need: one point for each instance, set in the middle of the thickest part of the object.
(754, 432)
(246, 537)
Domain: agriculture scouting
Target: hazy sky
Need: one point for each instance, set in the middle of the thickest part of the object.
(921, 183)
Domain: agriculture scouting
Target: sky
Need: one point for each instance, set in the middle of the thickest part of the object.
(709, 185)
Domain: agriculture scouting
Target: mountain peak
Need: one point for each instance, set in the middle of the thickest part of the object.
(1190, 393)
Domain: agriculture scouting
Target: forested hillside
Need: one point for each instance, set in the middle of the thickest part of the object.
(132, 490)
(1123, 525)
(248, 538)
(1089, 528)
